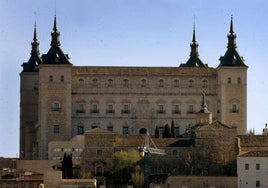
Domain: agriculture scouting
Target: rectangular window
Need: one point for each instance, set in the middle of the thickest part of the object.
(94, 109)
(125, 109)
(258, 183)
(246, 166)
(176, 109)
(56, 129)
(190, 109)
(125, 130)
(258, 166)
(161, 130)
(35, 85)
(234, 108)
(80, 129)
(56, 106)
(81, 108)
(161, 109)
(110, 109)
(51, 78)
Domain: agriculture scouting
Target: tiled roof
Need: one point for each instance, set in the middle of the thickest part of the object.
(256, 153)
(216, 125)
(142, 71)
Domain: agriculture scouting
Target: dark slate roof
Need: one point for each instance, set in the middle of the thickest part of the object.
(55, 54)
(194, 61)
(231, 58)
(32, 65)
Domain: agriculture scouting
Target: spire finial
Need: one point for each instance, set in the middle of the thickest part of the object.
(194, 44)
(231, 36)
(55, 23)
(55, 34)
(35, 43)
(231, 26)
(194, 33)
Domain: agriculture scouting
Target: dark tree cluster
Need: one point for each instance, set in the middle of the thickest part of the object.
(67, 167)
(169, 132)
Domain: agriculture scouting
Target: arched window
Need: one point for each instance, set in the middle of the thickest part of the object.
(143, 131)
(125, 83)
(176, 83)
(161, 83)
(99, 171)
(110, 82)
(62, 78)
(95, 82)
(204, 84)
(143, 83)
(81, 81)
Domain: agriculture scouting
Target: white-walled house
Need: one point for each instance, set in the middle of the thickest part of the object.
(252, 169)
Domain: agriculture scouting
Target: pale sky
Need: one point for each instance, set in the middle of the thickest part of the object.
(131, 33)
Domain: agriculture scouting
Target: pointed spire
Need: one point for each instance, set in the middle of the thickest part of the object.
(194, 41)
(55, 34)
(194, 45)
(231, 36)
(231, 26)
(35, 43)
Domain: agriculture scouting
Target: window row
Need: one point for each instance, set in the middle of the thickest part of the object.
(52, 79)
(257, 166)
(67, 149)
(126, 109)
(143, 83)
(229, 80)
(110, 109)
(126, 129)
(60, 158)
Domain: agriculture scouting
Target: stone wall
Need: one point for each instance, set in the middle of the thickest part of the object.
(200, 181)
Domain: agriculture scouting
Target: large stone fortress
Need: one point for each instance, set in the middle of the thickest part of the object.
(60, 100)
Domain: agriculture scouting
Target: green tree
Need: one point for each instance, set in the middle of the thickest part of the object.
(172, 129)
(156, 133)
(166, 133)
(67, 166)
(124, 163)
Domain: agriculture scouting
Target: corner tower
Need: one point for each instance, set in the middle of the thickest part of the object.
(232, 90)
(29, 102)
(54, 95)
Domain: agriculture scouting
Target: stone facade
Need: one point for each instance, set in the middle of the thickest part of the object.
(60, 100)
